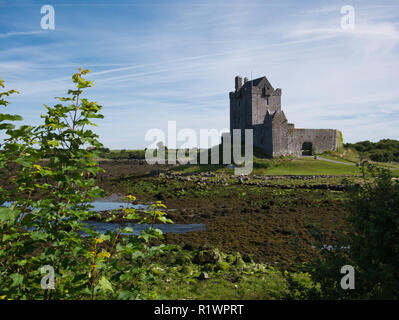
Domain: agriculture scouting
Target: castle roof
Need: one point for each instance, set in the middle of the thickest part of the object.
(258, 82)
(255, 82)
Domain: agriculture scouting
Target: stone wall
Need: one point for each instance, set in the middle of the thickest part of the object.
(280, 136)
(240, 111)
(321, 140)
(260, 105)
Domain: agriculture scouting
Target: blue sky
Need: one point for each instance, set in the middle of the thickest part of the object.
(155, 61)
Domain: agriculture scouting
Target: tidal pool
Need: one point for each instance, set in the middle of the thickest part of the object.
(109, 205)
(137, 228)
(102, 227)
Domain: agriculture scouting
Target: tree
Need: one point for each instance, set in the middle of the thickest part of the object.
(50, 202)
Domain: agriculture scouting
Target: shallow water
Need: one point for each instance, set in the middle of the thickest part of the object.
(102, 227)
(137, 228)
(109, 205)
(101, 205)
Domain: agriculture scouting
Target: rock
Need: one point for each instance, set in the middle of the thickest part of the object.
(203, 276)
(204, 257)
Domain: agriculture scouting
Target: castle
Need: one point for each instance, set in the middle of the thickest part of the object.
(256, 105)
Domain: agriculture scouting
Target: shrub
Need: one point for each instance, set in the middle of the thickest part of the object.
(372, 241)
(50, 200)
(385, 150)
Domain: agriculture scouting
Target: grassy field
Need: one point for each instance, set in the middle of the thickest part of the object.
(276, 166)
(336, 158)
(290, 166)
(310, 166)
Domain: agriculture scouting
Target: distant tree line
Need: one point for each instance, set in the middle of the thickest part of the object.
(385, 150)
(106, 153)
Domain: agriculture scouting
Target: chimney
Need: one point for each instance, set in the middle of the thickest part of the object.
(238, 83)
(245, 79)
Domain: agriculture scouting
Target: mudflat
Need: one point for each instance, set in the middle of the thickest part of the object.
(274, 220)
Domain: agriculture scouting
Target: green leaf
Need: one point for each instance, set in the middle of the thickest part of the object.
(24, 162)
(53, 143)
(105, 284)
(16, 279)
(105, 237)
(11, 117)
(128, 230)
(127, 295)
(37, 235)
(133, 216)
(7, 126)
(9, 214)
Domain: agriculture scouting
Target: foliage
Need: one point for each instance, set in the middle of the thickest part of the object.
(229, 277)
(264, 163)
(385, 150)
(371, 246)
(123, 154)
(49, 197)
(309, 166)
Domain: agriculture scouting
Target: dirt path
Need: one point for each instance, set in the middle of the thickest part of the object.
(341, 162)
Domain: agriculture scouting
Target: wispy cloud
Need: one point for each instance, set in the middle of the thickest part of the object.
(177, 61)
(20, 33)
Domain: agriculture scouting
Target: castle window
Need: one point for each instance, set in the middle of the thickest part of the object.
(267, 100)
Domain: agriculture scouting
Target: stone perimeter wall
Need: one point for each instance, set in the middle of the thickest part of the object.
(321, 139)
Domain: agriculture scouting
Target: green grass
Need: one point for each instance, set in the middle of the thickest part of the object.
(310, 166)
(388, 165)
(230, 278)
(287, 166)
(345, 155)
(395, 173)
(335, 158)
(198, 168)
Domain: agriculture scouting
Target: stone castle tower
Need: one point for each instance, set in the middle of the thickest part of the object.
(256, 105)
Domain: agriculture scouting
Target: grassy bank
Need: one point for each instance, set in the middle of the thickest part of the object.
(211, 274)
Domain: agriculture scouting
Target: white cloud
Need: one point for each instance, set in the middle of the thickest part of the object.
(182, 66)
(20, 33)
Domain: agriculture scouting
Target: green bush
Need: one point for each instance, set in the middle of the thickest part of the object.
(50, 200)
(385, 150)
(372, 246)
